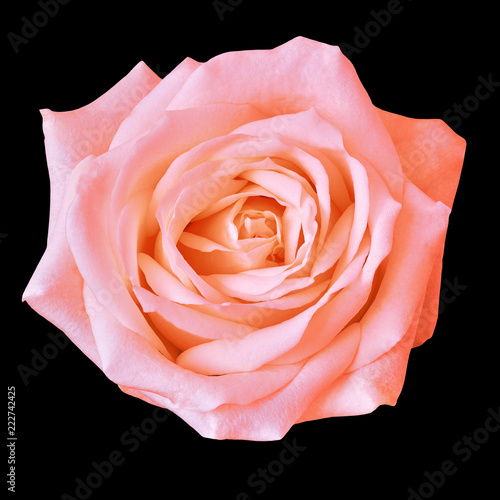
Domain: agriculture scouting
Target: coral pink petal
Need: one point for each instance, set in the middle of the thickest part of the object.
(263, 345)
(150, 110)
(271, 418)
(293, 77)
(146, 369)
(55, 289)
(343, 307)
(181, 320)
(151, 163)
(70, 136)
(310, 132)
(266, 313)
(164, 284)
(364, 389)
(344, 302)
(335, 244)
(430, 307)
(418, 238)
(87, 228)
(131, 235)
(206, 257)
(431, 154)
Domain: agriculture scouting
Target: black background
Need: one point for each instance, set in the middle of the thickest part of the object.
(426, 60)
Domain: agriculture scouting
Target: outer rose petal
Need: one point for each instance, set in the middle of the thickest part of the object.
(130, 361)
(418, 238)
(57, 271)
(364, 389)
(88, 223)
(70, 136)
(87, 229)
(150, 110)
(430, 307)
(293, 77)
(431, 154)
(271, 417)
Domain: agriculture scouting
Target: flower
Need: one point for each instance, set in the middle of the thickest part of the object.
(248, 242)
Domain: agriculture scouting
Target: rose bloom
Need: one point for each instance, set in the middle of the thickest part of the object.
(248, 242)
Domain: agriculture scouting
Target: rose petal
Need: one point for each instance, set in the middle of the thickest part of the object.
(151, 109)
(111, 170)
(335, 313)
(203, 256)
(148, 370)
(164, 284)
(418, 238)
(349, 303)
(70, 136)
(305, 166)
(364, 389)
(55, 289)
(310, 132)
(183, 326)
(87, 229)
(179, 200)
(293, 77)
(271, 417)
(152, 162)
(131, 234)
(266, 344)
(335, 244)
(218, 228)
(431, 154)
(430, 308)
(361, 212)
(266, 313)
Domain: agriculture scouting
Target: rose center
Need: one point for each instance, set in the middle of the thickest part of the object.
(246, 234)
(255, 225)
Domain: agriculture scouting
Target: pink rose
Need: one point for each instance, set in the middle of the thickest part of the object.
(247, 242)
